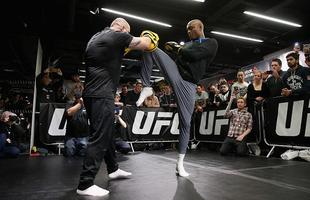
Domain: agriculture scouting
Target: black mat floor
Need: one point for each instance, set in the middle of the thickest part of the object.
(213, 177)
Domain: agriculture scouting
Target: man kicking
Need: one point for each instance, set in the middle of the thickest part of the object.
(183, 74)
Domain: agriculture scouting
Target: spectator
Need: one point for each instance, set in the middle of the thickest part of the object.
(168, 98)
(223, 97)
(239, 88)
(133, 95)
(274, 82)
(307, 56)
(297, 78)
(123, 94)
(240, 126)
(213, 92)
(257, 91)
(77, 128)
(151, 101)
(46, 93)
(119, 105)
(120, 145)
(201, 98)
(8, 148)
(298, 47)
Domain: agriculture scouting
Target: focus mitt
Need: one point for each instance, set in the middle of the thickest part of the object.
(172, 47)
(154, 39)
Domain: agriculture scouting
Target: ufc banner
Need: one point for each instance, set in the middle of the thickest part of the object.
(288, 121)
(148, 124)
(52, 122)
(212, 126)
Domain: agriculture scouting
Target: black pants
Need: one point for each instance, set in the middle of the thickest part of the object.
(100, 112)
(230, 144)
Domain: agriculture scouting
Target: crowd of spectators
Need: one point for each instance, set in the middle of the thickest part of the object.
(53, 88)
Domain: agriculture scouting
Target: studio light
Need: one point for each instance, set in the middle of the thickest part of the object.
(236, 36)
(272, 19)
(135, 17)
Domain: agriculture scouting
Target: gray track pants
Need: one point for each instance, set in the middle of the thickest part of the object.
(184, 90)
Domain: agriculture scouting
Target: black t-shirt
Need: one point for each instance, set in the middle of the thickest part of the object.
(166, 100)
(77, 125)
(132, 98)
(103, 57)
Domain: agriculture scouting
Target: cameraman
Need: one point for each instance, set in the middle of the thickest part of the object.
(7, 146)
(77, 132)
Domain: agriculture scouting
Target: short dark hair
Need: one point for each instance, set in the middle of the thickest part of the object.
(293, 54)
(277, 60)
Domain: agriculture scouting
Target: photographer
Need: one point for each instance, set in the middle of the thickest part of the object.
(7, 142)
(77, 132)
(120, 145)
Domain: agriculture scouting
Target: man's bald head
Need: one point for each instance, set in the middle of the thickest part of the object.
(195, 29)
(196, 22)
(120, 24)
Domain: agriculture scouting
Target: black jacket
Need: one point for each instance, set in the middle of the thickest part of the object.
(194, 58)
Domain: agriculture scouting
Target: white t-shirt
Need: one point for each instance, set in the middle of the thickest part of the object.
(241, 87)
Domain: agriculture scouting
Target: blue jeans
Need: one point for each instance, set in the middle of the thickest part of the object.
(7, 150)
(76, 146)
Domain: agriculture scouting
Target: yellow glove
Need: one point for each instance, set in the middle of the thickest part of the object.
(154, 39)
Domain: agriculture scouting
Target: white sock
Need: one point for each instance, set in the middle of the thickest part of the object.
(180, 167)
(145, 93)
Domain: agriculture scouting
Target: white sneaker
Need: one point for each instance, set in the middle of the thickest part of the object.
(145, 93)
(93, 190)
(118, 174)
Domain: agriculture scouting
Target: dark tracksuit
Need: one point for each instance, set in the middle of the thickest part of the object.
(275, 85)
(297, 80)
(183, 75)
(104, 53)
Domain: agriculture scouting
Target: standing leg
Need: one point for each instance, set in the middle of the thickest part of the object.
(185, 94)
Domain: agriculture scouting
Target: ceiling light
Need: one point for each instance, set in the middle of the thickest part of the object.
(182, 43)
(237, 36)
(200, 0)
(136, 17)
(272, 19)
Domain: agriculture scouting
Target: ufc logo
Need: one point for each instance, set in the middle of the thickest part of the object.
(58, 124)
(211, 122)
(140, 128)
(290, 124)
